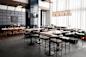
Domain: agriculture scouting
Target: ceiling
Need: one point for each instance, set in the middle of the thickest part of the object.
(13, 3)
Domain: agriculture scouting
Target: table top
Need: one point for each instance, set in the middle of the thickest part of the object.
(80, 33)
(63, 37)
(32, 29)
(13, 28)
(50, 33)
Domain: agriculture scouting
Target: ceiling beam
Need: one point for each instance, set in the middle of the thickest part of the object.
(12, 3)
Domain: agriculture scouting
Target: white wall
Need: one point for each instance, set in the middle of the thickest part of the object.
(44, 5)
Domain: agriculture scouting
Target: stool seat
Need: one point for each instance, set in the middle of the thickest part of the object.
(65, 39)
(44, 37)
(73, 41)
(27, 35)
(56, 40)
(34, 35)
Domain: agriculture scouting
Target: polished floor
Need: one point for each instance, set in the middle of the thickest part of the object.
(17, 47)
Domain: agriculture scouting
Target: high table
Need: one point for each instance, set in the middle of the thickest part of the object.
(75, 35)
(81, 36)
(52, 34)
(30, 30)
(48, 35)
(33, 29)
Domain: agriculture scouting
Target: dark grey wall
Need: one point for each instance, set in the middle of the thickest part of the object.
(6, 17)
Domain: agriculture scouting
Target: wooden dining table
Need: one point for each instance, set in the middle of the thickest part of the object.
(12, 29)
(33, 29)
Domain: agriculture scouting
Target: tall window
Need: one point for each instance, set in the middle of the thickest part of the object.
(43, 17)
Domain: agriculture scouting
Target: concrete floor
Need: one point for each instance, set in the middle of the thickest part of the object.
(17, 47)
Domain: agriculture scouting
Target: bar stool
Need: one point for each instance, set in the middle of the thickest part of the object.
(30, 35)
(34, 35)
(73, 41)
(65, 40)
(59, 45)
(26, 34)
(66, 43)
(45, 38)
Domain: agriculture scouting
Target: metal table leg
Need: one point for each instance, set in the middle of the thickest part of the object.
(49, 53)
(31, 42)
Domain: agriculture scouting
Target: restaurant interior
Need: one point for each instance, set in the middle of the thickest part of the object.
(42, 28)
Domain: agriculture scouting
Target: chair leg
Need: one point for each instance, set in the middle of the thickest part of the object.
(45, 45)
(65, 48)
(31, 42)
(56, 49)
(38, 41)
(61, 49)
(69, 47)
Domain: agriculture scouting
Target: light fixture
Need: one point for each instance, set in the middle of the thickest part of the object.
(22, 1)
(19, 6)
(50, 1)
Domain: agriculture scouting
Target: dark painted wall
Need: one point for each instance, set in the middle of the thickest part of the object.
(7, 15)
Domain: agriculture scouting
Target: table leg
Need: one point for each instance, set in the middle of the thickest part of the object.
(31, 42)
(65, 48)
(49, 53)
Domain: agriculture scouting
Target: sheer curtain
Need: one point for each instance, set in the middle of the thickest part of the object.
(77, 9)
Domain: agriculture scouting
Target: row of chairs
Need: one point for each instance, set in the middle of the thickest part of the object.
(11, 33)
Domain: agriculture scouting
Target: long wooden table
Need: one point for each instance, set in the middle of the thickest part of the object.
(12, 29)
(33, 29)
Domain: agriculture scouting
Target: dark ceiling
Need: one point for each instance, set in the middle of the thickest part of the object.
(12, 3)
